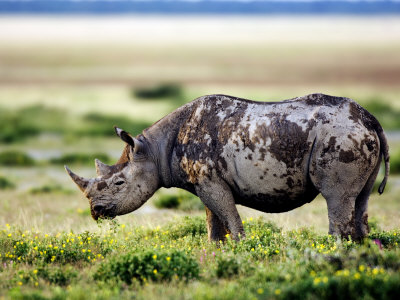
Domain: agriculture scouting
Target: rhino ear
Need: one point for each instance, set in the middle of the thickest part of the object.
(126, 137)
(137, 146)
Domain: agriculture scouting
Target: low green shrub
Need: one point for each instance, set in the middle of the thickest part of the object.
(15, 158)
(5, 183)
(180, 200)
(227, 267)
(149, 265)
(57, 275)
(14, 127)
(187, 226)
(167, 201)
(166, 90)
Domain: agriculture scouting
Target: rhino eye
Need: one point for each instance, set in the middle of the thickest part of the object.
(119, 182)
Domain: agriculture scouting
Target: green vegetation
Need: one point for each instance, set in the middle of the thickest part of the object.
(15, 158)
(144, 266)
(49, 189)
(19, 124)
(161, 91)
(21, 159)
(80, 159)
(387, 115)
(95, 124)
(181, 200)
(5, 183)
(126, 262)
(395, 161)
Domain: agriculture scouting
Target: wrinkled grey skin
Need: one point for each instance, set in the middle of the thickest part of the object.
(272, 157)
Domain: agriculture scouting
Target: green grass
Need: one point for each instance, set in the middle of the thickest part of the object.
(177, 262)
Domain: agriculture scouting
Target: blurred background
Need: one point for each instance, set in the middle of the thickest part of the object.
(70, 70)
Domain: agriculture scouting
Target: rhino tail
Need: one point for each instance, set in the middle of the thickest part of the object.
(385, 154)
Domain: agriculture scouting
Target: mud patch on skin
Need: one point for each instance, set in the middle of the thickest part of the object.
(330, 148)
(101, 185)
(323, 100)
(195, 170)
(201, 139)
(289, 142)
(115, 169)
(346, 156)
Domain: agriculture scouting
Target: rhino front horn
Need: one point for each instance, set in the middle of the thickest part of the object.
(101, 168)
(81, 182)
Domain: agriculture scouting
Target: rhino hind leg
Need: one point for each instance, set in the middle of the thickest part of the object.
(217, 197)
(341, 213)
(361, 207)
(216, 229)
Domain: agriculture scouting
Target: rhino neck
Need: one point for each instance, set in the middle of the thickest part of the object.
(162, 137)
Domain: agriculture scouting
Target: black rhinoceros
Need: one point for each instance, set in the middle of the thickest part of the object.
(272, 156)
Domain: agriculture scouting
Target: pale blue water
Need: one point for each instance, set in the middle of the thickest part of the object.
(220, 7)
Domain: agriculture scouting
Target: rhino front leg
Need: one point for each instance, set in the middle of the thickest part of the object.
(217, 197)
(216, 229)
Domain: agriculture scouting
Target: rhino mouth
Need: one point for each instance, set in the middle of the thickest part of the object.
(103, 211)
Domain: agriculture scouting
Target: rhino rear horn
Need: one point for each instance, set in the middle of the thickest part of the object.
(101, 168)
(81, 182)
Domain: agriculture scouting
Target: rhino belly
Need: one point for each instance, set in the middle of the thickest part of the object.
(264, 183)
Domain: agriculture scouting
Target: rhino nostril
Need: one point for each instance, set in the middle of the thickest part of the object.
(98, 208)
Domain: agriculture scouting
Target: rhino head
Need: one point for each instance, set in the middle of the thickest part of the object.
(124, 187)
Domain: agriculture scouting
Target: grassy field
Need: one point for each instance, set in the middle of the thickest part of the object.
(64, 82)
